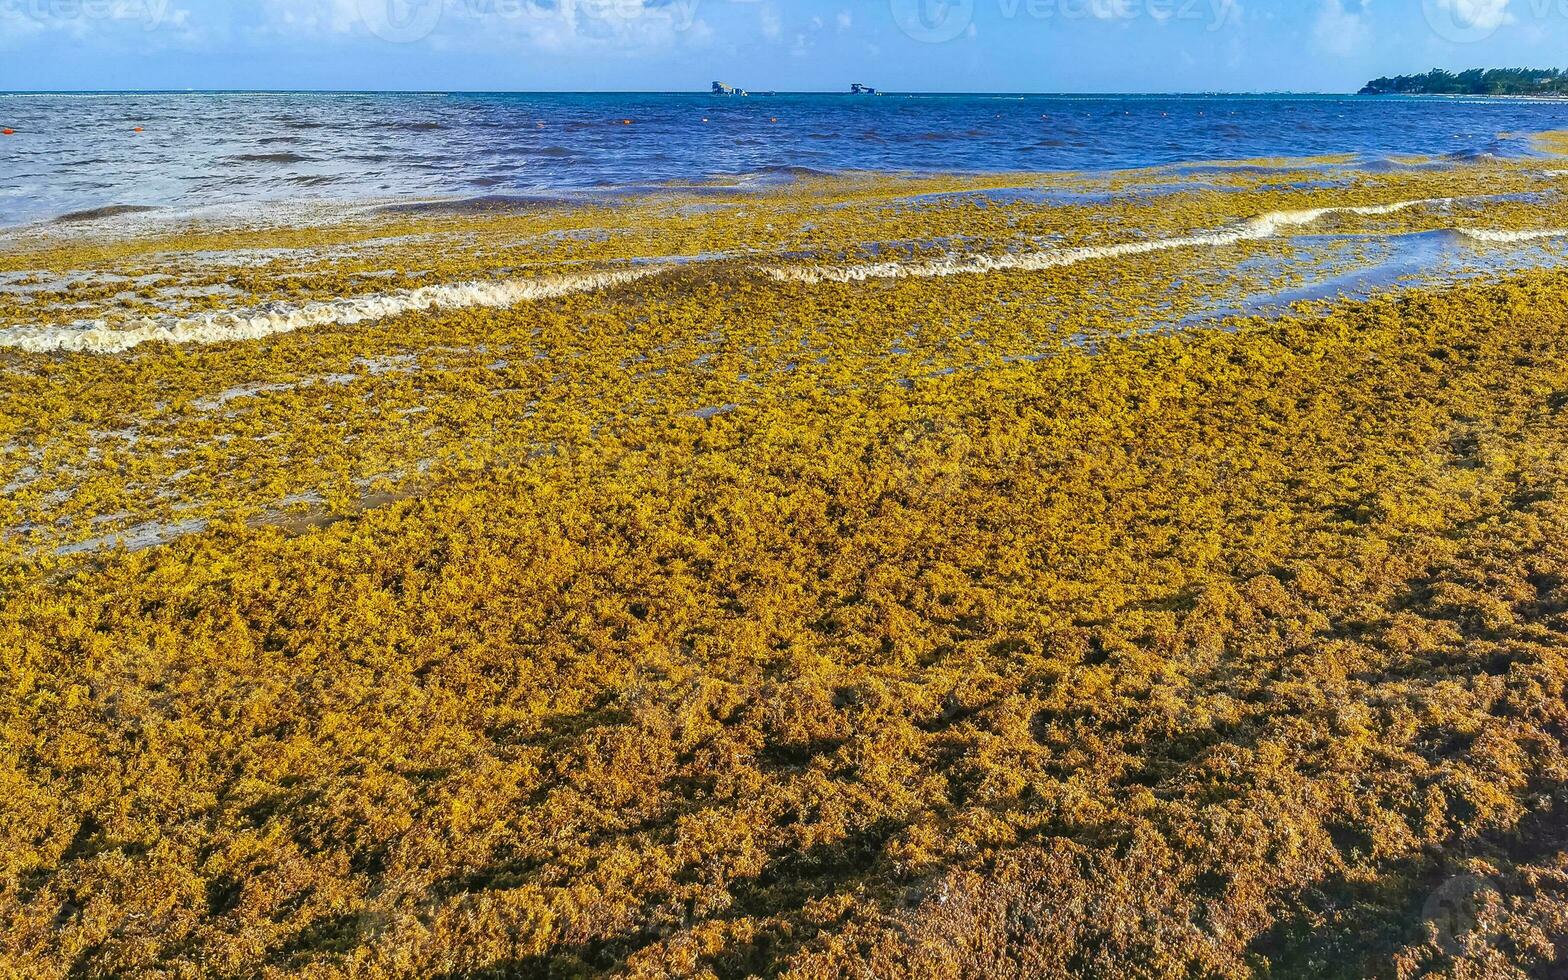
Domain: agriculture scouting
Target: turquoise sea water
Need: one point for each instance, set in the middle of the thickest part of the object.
(71, 153)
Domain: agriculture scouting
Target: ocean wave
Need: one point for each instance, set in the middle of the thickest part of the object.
(1507, 237)
(1255, 229)
(99, 337)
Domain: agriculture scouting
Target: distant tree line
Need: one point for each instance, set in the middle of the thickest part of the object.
(1476, 81)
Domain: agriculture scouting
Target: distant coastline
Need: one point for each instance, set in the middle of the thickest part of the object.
(1495, 82)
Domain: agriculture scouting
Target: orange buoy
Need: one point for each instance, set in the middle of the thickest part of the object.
(137, 129)
(626, 122)
(775, 118)
(8, 132)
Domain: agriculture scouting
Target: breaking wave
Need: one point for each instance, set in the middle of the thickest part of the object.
(1255, 229)
(99, 337)
(1511, 237)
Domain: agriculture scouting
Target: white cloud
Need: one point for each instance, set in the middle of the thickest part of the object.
(772, 24)
(15, 25)
(1340, 30)
(846, 20)
(311, 16)
(545, 25)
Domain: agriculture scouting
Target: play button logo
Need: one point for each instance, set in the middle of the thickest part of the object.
(401, 21)
(933, 21)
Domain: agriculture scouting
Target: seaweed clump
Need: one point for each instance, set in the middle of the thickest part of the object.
(716, 625)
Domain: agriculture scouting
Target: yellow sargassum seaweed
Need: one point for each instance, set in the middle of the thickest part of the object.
(720, 625)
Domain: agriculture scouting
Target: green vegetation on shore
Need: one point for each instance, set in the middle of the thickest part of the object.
(1476, 81)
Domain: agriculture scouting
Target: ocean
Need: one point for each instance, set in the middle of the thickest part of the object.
(73, 153)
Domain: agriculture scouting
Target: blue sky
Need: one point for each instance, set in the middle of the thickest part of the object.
(908, 45)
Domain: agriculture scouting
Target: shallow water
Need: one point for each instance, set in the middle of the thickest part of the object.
(76, 154)
(1358, 267)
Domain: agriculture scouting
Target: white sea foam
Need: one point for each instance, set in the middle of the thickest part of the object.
(1512, 237)
(1255, 229)
(101, 337)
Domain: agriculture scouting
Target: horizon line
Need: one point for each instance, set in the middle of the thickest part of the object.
(753, 93)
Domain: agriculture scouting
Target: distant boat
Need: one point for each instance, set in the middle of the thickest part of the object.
(856, 88)
(719, 88)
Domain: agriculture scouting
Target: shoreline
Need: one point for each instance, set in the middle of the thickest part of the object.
(1046, 691)
(235, 290)
(851, 570)
(134, 219)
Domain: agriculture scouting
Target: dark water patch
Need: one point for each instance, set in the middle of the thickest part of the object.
(1220, 169)
(269, 158)
(1499, 148)
(780, 174)
(1474, 156)
(1384, 165)
(487, 204)
(95, 214)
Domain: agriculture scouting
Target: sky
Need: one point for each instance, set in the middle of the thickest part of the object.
(785, 45)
